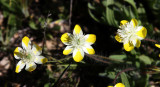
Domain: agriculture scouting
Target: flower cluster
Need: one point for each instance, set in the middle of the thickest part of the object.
(130, 34)
(28, 55)
(78, 43)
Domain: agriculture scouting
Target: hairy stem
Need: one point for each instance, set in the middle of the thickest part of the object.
(151, 40)
(95, 58)
(100, 58)
(125, 70)
(107, 58)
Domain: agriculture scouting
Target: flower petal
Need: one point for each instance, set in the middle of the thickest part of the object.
(118, 38)
(157, 45)
(18, 53)
(109, 86)
(77, 30)
(88, 49)
(66, 38)
(134, 21)
(90, 38)
(138, 43)
(26, 43)
(119, 85)
(36, 49)
(78, 55)
(123, 22)
(128, 46)
(20, 66)
(40, 60)
(68, 50)
(142, 32)
(30, 66)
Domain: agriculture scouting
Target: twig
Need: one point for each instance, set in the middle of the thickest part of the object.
(70, 14)
(125, 70)
(56, 83)
(44, 32)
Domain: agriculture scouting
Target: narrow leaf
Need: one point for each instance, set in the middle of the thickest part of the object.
(125, 80)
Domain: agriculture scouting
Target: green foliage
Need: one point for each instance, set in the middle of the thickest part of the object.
(145, 59)
(112, 11)
(120, 57)
(125, 79)
(33, 25)
(37, 15)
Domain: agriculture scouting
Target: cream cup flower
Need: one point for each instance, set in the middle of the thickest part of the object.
(118, 85)
(130, 34)
(78, 43)
(28, 55)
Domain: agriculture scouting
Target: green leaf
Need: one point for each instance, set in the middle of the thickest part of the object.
(33, 25)
(12, 20)
(134, 6)
(111, 75)
(104, 3)
(145, 59)
(5, 14)
(132, 3)
(138, 65)
(90, 6)
(24, 7)
(125, 10)
(6, 5)
(93, 16)
(120, 57)
(47, 85)
(132, 15)
(110, 13)
(125, 79)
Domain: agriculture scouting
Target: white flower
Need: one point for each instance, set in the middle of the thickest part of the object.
(78, 43)
(29, 55)
(130, 34)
